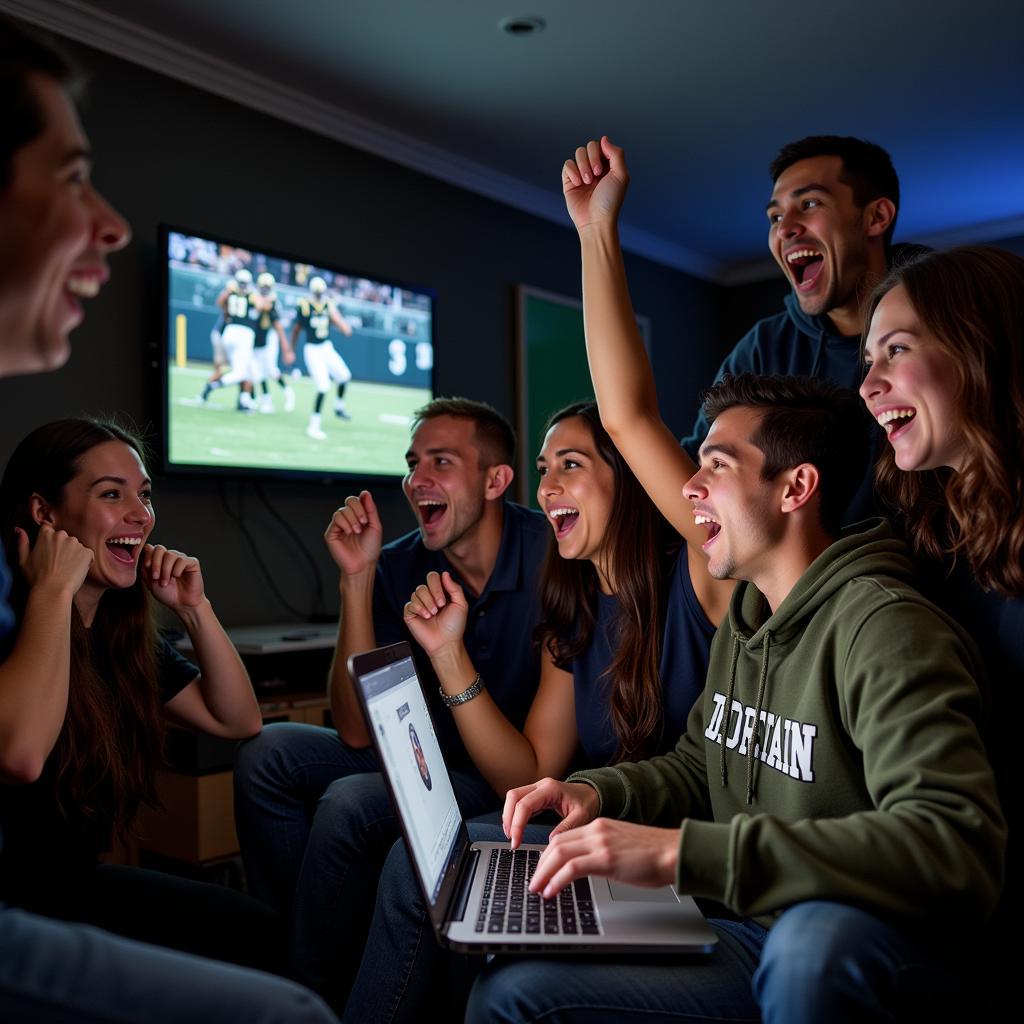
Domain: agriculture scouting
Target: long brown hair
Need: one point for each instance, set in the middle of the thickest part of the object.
(971, 299)
(105, 759)
(639, 543)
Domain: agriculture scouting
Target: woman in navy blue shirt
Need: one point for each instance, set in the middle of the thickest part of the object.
(609, 681)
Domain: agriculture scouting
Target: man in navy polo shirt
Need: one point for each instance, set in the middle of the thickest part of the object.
(314, 817)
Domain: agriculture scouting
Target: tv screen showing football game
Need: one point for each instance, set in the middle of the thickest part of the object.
(276, 366)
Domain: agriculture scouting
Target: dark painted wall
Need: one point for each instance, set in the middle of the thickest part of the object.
(1014, 244)
(169, 152)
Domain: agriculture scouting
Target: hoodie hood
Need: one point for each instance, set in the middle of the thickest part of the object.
(816, 327)
(864, 549)
(822, 333)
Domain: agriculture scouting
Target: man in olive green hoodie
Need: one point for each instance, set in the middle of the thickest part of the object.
(832, 786)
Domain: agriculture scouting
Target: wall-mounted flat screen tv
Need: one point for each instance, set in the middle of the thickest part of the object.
(274, 365)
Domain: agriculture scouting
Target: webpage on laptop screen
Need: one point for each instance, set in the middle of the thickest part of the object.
(412, 759)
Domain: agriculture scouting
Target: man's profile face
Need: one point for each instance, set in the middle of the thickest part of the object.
(739, 510)
(445, 482)
(57, 231)
(818, 234)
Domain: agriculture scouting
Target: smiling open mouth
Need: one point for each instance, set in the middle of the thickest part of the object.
(431, 511)
(712, 526)
(806, 266)
(893, 420)
(124, 548)
(84, 286)
(564, 519)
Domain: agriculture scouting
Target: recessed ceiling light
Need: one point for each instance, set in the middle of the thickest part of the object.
(523, 25)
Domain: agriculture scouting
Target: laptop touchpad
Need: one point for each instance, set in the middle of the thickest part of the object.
(638, 894)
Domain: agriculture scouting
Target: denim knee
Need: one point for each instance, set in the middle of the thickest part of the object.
(294, 759)
(501, 993)
(823, 961)
(262, 759)
(350, 807)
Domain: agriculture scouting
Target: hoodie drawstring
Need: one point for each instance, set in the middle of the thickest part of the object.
(819, 355)
(755, 738)
(736, 641)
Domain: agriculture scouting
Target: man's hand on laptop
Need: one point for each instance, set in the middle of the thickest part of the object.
(576, 802)
(636, 854)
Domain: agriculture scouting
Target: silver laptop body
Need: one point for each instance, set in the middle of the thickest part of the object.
(463, 883)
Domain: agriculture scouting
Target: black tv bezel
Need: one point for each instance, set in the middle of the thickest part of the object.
(186, 470)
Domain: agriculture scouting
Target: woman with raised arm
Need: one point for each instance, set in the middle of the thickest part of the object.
(624, 646)
(594, 181)
(623, 638)
(86, 686)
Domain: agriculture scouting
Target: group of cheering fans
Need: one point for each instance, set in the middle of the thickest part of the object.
(773, 665)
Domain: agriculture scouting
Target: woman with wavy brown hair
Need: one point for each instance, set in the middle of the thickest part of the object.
(944, 347)
(944, 344)
(945, 353)
(624, 642)
(86, 686)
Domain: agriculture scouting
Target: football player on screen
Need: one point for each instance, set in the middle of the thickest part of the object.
(236, 303)
(314, 315)
(270, 341)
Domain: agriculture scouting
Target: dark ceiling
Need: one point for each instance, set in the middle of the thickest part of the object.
(701, 95)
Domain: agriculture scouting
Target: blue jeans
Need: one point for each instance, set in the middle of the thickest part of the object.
(54, 973)
(315, 823)
(820, 962)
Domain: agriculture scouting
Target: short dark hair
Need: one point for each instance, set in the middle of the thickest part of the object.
(867, 168)
(804, 420)
(495, 439)
(23, 54)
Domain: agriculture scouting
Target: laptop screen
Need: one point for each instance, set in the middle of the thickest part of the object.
(412, 759)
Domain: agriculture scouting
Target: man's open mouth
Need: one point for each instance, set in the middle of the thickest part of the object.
(431, 510)
(805, 265)
(712, 526)
(564, 519)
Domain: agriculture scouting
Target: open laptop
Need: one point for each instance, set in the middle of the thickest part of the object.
(477, 893)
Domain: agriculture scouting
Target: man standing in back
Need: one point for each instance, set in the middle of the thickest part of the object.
(831, 217)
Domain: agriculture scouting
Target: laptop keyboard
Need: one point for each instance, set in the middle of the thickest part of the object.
(508, 907)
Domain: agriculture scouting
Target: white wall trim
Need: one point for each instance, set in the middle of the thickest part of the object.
(86, 24)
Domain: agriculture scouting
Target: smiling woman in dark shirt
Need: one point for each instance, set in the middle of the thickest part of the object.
(944, 348)
(944, 344)
(86, 686)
